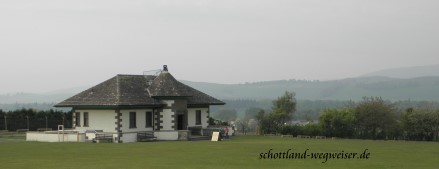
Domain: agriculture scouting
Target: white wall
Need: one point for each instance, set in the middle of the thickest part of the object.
(166, 135)
(98, 120)
(129, 137)
(54, 137)
(169, 103)
(192, 116)
(167, 116)
(140, 120)
(167, 119)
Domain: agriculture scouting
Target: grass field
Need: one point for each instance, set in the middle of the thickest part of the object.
(239, 152)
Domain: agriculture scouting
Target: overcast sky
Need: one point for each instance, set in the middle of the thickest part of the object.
(51, 44)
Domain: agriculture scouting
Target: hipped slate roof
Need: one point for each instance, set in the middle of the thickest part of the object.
(165, 85)
(138, 91)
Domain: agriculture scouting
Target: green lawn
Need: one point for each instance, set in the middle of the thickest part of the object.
(239, 152)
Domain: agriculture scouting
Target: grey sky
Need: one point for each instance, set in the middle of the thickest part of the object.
(50, 44)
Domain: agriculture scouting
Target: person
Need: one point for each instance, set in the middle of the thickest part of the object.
(226, 132)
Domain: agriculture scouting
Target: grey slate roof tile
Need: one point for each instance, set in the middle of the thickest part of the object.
(138, 90)
(165, 85)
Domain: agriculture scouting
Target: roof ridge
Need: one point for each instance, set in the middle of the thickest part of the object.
(165, 85)
(128, 75)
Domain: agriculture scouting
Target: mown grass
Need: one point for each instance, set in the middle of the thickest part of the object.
(239, 152)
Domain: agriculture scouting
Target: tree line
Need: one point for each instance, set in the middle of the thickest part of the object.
(306, 109)
(370, 118)
(32, 119)
(374, 118)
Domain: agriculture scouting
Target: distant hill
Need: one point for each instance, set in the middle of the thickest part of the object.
(421, 88)
(69, 91)
(407, 72)
(33, 98)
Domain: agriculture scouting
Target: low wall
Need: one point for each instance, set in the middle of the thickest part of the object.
(161, 135)
(55, 137)
(166, 135)
(184, 135)
(83, 137)
(129, 137)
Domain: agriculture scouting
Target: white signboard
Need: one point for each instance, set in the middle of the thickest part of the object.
(215, 136)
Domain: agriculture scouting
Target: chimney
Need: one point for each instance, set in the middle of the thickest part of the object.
(165, 68)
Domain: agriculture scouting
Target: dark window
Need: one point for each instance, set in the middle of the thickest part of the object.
(78, 119)
(198, 117)
(148, 118)
(85, 119)
(132, 119)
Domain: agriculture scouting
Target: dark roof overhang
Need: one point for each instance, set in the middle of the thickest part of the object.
(171, 97)
(111, 106)
(203, 105)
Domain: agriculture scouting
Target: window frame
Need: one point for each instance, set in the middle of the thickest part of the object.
(149, 122)
(198, 117)
(86, 120)
(77, 119)
(132, 120)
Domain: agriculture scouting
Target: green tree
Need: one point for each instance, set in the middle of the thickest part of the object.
(259, 119)
(270, 123)
(337, 123)
(374, 118)
(284, 106)
(420, 124)
(260, 115)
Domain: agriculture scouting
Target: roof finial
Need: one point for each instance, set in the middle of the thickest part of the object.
(165, 68)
